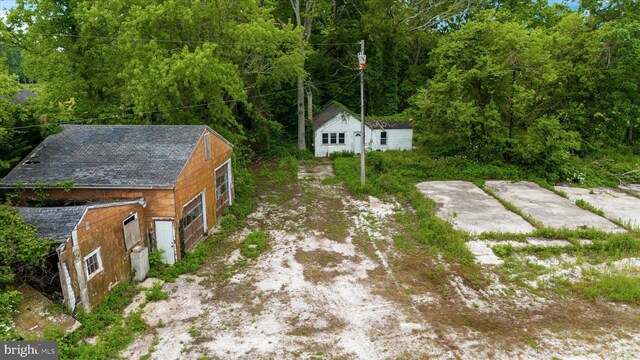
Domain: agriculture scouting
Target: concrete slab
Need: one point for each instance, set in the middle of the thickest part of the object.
(315, 171)
(632, 187)
(36, 313)
(468, 208)
(615, 204)
(549, 208)
(483, 253)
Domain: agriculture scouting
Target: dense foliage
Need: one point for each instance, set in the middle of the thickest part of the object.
(20, 252)
(529, 83)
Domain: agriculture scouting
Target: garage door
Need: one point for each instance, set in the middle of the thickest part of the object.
(191, 225)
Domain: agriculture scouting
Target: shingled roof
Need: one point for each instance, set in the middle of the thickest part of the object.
(55, 223)
(374, 122)
(116, 156)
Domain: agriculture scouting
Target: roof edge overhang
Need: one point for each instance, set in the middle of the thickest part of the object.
(85, 186)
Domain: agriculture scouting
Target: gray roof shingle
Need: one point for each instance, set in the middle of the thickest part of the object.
(374, 122)
(119, 156)
(55, 223)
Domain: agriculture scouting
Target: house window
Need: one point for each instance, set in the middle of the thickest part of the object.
(207, 146)
(221, 184)
(333, 138)
(383, 138)
(93, 264)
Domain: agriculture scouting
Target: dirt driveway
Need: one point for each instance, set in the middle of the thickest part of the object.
(332, 284)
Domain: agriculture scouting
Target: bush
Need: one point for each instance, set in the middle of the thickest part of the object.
(9, 301)
(254, 244)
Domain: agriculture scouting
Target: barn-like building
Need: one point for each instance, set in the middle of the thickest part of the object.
(180, 176)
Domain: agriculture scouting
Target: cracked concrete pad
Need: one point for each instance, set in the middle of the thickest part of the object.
(468, 208)
(615, 204)
(484, 255)
(317, 171)
(551, 209)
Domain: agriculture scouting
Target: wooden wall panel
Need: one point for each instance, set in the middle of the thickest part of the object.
(199, 175)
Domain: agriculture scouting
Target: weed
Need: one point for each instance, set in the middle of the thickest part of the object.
(254, 244)
(156, 293)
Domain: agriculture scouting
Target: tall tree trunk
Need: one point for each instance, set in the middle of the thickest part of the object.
(306, 34)
(302, 144)
(632, 123)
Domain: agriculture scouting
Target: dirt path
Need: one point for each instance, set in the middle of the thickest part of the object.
(331, 284)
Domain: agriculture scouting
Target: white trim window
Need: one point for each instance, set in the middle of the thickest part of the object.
(333, 138)
(383, 138)
(93, 264)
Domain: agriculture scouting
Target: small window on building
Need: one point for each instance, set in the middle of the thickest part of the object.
(334, 138)
(93, 264)
(325, 138)
(207, 146)
(383, 138)
(341, 138)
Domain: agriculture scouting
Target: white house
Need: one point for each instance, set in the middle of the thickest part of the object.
(337, 129)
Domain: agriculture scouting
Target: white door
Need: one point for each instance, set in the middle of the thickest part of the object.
(356, 143)
(165, 237)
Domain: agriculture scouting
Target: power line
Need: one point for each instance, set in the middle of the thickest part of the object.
(78, 36)
(77, 121)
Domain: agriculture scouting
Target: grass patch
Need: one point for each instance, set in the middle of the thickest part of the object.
(394, 173)
(106, 321)
(586, 206)
(616, 287)
(254, 244)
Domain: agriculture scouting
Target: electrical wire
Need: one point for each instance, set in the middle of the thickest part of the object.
(83, 120)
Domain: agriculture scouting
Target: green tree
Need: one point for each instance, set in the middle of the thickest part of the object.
(20, 252)
(176, 61)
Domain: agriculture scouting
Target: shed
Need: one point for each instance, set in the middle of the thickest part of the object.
(183, 173)
(100, 245)
(337, 129)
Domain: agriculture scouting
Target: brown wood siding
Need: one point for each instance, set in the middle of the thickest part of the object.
(198, 175)
(160, 202)
(106, 232)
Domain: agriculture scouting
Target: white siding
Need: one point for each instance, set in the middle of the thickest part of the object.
(397, 139)
(343, 123)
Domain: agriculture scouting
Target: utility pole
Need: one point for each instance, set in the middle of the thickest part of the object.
(362, 64)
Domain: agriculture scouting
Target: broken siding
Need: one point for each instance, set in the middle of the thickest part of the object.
(197, 176)
(160, 202)
(100, 228)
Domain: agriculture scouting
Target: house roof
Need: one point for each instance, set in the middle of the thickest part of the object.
(374, 122)
(111, 156)
(22, 96)
(55, 223)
